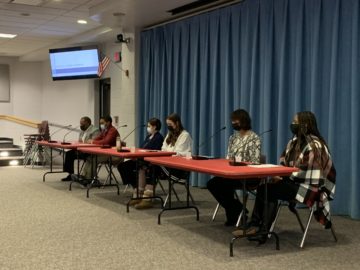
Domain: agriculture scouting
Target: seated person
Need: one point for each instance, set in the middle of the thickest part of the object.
(108, 137)
(177, 140)
(88, 132)
(127, 169)
(245, 145)
(314, 181)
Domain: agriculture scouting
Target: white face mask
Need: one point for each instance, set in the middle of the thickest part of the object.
(102, 126)
(149, 130)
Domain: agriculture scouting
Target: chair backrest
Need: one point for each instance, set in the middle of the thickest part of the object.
(43, 128)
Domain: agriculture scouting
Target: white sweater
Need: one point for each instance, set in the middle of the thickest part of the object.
(182, 145)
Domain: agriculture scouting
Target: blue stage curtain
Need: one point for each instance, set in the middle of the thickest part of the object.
(272, 58)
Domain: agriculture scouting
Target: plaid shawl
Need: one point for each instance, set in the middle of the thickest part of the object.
(316, 176)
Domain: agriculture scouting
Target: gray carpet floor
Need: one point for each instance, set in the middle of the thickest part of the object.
(46, 226)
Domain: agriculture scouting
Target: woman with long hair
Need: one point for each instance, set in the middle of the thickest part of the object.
(177, 140)
(313, 183)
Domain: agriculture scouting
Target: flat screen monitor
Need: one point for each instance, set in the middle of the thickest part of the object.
(74, 63)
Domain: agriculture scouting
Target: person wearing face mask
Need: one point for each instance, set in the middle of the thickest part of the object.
(106, 137)
(315, 180)
(245, 145)
(127, 169)
(177, 140)
(102, 124)
(88, 132)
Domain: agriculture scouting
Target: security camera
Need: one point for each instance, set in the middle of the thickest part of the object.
(120, 38)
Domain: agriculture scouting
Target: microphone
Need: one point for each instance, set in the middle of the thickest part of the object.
(139, 126)
(120, 127)
(233, 162)
(198, 157)
(56, 131)
(67, 133)
(264, 132)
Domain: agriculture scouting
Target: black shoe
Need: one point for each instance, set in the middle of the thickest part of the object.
(67, 178)
(76, 178)
(260, 238)
(84, 182)
(95, 183)
(250, 224)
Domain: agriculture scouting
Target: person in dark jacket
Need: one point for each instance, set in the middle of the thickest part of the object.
(127, 169)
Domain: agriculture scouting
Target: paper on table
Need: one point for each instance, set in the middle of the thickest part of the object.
(264, 166)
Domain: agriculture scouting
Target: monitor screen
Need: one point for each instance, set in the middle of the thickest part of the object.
(74, 63)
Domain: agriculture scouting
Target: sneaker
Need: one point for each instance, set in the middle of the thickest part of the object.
(67, 178)
(144, 204)
(134, 202)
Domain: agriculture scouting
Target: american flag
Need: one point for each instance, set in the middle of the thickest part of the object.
(103, 65)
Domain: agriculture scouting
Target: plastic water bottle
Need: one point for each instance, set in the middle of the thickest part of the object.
(118, 144)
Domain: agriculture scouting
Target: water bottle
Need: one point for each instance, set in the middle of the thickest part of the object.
(118, 143)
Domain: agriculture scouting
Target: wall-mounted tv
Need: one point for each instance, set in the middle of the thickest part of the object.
(74, 63)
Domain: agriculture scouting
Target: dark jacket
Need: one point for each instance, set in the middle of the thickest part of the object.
(154, 143)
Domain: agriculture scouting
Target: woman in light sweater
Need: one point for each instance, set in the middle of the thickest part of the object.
(177, 140)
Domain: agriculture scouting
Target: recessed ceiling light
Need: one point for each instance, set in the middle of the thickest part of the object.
(3, 35)
(82, 22)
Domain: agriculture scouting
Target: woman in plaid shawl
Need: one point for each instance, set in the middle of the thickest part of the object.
(313, 183)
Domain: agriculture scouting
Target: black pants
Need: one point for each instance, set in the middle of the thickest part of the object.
(127, 171)
(223, 190)
(283, 190)
(128, 174)
(70, 157)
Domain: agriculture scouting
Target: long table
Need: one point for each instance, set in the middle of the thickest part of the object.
(62, 146)
(134, 153)
(222, 168)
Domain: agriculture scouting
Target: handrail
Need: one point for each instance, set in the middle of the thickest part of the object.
(19, 120)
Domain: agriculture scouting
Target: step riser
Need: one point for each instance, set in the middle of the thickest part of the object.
(6, 145)
(11, 153)
(7, 162)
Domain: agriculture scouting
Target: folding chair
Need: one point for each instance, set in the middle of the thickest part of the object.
(182, 180)
(109, 163)
(292, 207)
(110, 172)
(33, 151)
(248, 192)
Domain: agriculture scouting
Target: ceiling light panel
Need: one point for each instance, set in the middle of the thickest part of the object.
(27, 2)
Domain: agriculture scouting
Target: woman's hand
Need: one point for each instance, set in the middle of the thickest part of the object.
(276, 179)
